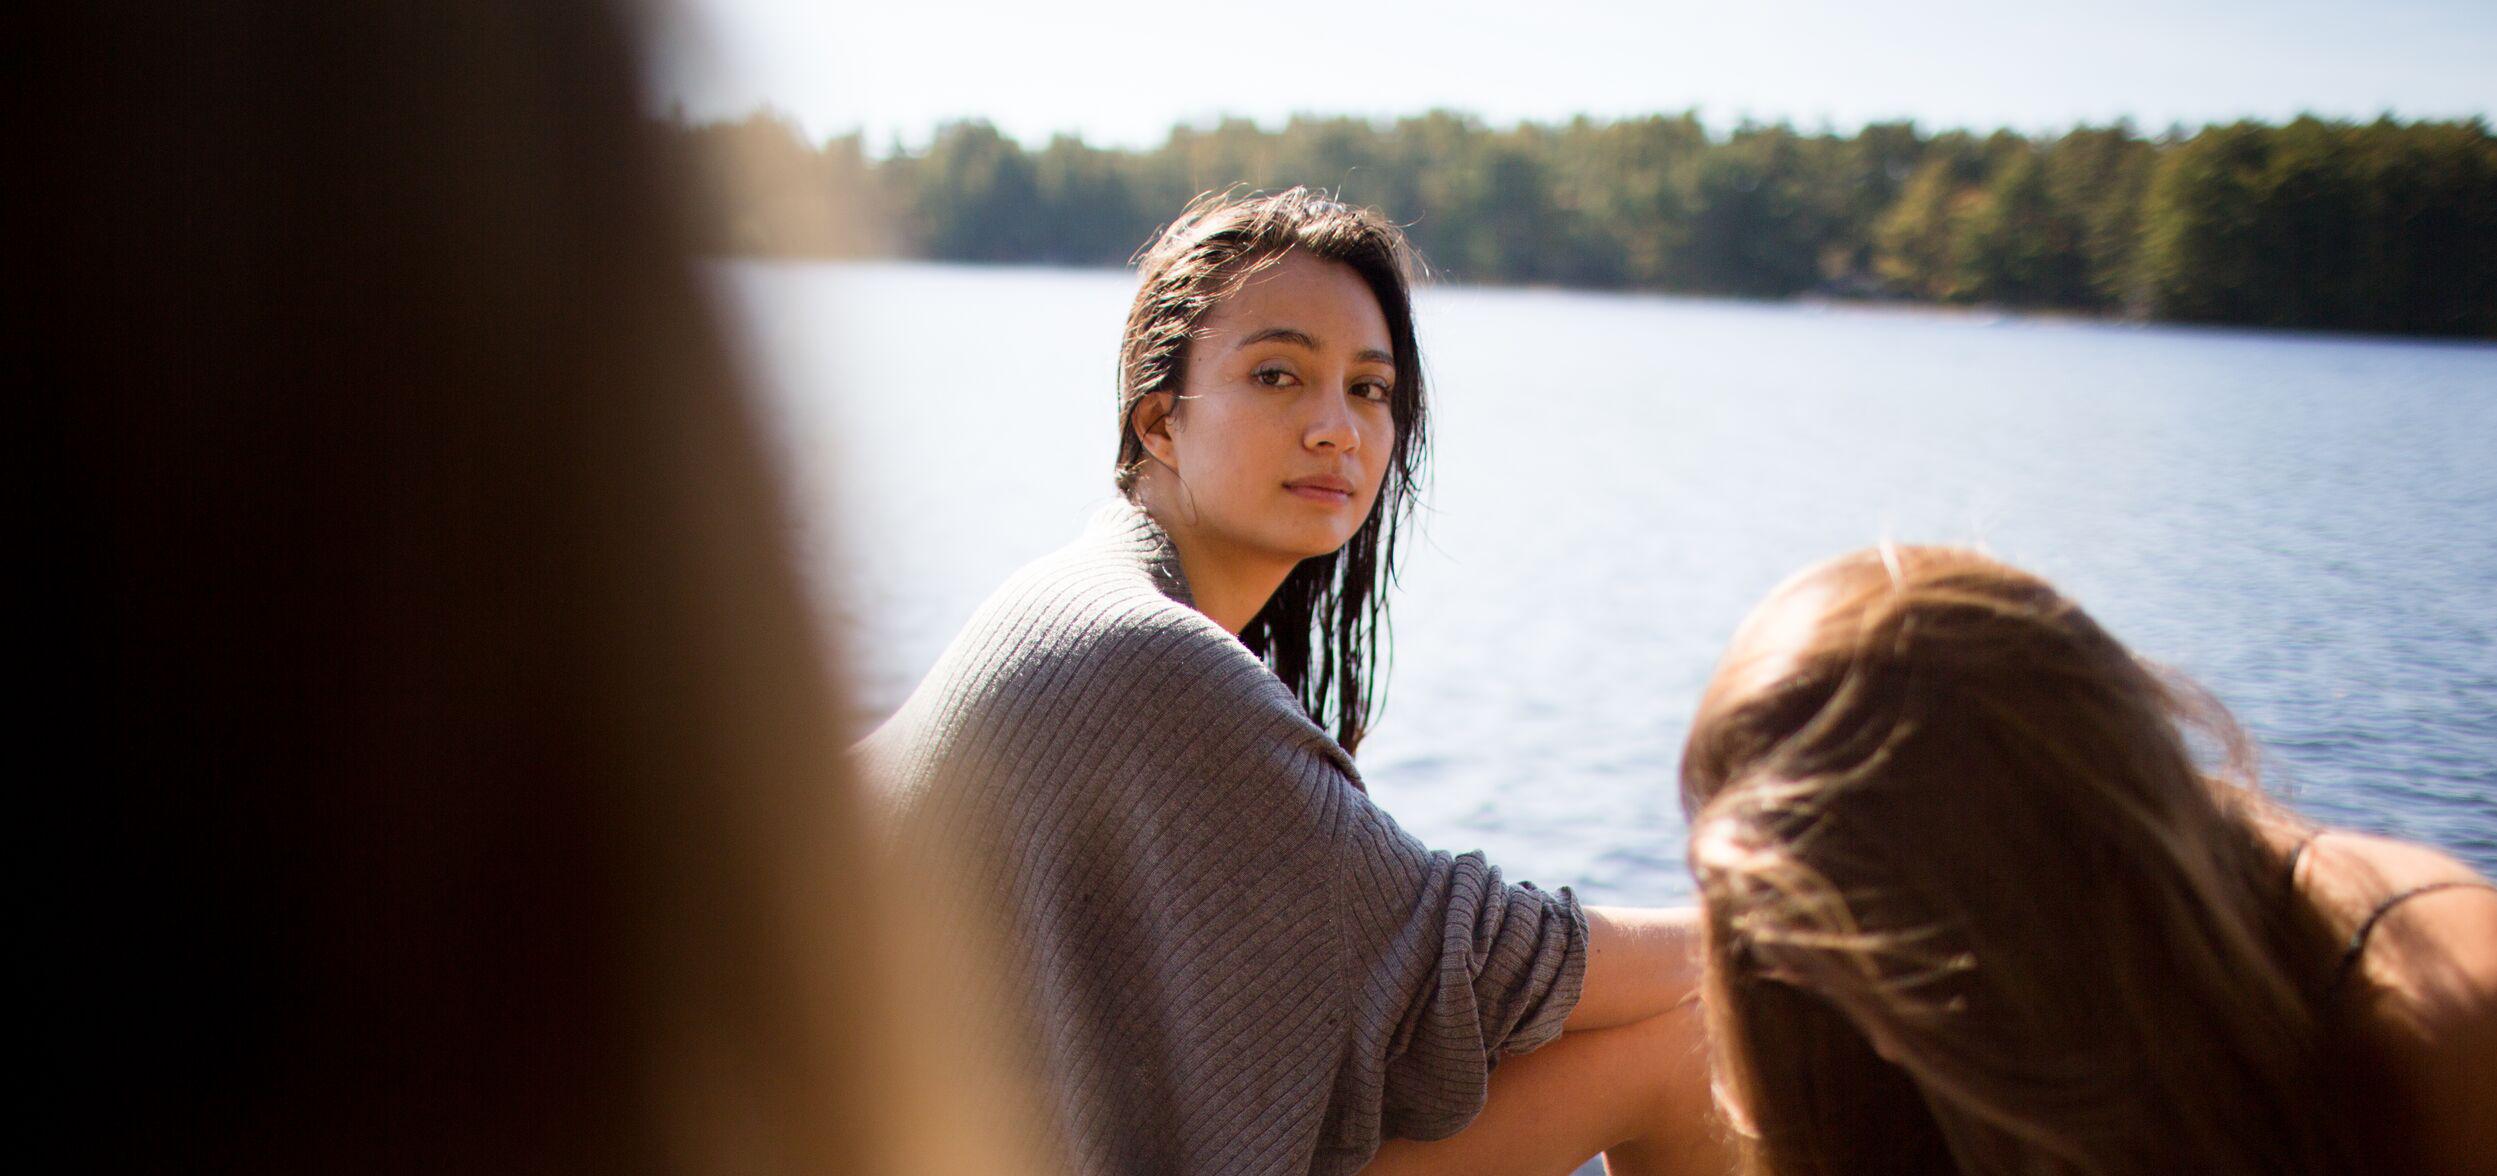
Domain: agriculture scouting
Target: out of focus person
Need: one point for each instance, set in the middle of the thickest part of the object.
(1987, 893)
(456, 784)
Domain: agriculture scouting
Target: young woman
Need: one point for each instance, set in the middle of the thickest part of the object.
(1234, 961)
(1971, 905)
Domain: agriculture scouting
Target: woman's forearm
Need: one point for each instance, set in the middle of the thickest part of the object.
(1640, 962)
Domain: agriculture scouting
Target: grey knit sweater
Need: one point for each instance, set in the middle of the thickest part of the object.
(1235, 962)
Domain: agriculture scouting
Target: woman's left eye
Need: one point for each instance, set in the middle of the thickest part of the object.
(1372, 390)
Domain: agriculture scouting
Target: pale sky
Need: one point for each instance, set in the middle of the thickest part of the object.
(1123, 72)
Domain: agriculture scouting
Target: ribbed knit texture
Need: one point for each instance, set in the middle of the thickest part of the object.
(1235, 962)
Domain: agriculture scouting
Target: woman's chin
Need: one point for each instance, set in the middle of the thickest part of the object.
(1321, 542)
(1294, 544)
(1282, 537)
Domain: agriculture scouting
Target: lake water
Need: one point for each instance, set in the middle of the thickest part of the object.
(2306, 524)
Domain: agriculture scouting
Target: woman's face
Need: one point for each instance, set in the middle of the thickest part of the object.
(1283, 431)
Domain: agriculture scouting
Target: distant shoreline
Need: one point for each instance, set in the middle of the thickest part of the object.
(2371, 228)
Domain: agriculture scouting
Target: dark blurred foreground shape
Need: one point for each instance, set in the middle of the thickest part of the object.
(451, 776)
(2383, 226)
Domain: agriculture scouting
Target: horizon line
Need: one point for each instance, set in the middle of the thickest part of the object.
(1717, 129)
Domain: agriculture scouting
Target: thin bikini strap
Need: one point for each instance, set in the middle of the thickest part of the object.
(2358, 938)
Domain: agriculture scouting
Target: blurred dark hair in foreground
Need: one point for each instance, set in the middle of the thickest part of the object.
(457, 787)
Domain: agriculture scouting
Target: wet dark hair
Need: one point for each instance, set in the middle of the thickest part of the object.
(1321, 630)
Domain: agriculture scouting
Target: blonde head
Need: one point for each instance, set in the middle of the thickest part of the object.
(1972, 902)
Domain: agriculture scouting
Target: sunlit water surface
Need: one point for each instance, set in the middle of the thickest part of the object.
(2307, 525)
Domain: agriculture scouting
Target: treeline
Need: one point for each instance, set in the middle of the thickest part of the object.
(2382, 226)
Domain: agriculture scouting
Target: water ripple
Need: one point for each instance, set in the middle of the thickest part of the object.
(2300, 522)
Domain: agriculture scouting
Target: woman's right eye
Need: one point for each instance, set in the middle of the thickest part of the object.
(1271, 377)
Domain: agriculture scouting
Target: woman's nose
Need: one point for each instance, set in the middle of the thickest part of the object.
(1331, 424)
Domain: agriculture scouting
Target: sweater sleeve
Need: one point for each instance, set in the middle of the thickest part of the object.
(1236, 962)
(1451, 968)
(1443, 967)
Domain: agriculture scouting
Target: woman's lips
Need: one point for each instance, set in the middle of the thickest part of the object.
(1325, 490)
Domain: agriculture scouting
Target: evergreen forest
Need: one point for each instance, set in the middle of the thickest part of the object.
(2385, 227)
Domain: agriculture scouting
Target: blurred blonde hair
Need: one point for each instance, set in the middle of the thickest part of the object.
(461, 784)
(1971, 903)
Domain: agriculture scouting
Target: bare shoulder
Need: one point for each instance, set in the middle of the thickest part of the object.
(2403, 863)
(2436, 950)
(2430, 1017)
(2429, 923)
(2425, 1001)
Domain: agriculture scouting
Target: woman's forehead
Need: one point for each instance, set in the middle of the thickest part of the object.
(1323, 301)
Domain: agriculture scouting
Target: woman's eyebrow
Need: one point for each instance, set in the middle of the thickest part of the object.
(1292, 335)
(1303, 339)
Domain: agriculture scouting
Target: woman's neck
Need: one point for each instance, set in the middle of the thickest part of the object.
(1229, 585)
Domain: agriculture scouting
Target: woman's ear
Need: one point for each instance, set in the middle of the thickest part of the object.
(1153, 420)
